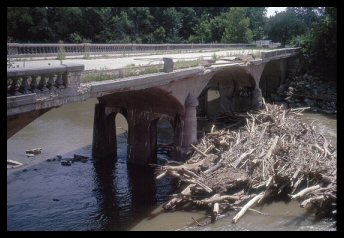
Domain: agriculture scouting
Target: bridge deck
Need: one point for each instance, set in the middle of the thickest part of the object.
(121, 62)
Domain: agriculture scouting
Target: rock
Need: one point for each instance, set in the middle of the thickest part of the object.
(291, 89)
(34, 151)
(24, 170)
(30, 155)
(48, 160)
(66, 163)
(80, 158)
(56, 200)
(59, 156)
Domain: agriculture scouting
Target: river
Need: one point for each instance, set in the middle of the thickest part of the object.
(45, 195)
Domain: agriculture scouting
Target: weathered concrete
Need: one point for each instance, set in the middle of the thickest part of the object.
(104, 133)
(274, 74)
(17, 122)
(176, 95)
(168, 65)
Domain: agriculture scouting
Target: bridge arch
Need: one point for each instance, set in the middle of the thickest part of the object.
(143, 109)
(235, 86)
(273, 75)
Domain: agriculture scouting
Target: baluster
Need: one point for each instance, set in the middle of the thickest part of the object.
(9, 83)
(34, 85)
(14, 87)
(24, 87)
(50, 84)
(59, 81)
(43, 84)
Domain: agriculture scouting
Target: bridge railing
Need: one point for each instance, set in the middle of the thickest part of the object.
(43, 79)
(273, 53)
(16, 50)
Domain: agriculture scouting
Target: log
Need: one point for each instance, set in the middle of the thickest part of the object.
(161, 175)
(14, 163)
(247, 206)
(215, 167)
(219, 199)
(305, 202)
(215, 212)
(236, 163)
(198, 151)
(205, 187)
(305, 191)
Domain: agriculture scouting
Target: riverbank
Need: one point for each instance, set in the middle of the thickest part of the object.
(308, 91)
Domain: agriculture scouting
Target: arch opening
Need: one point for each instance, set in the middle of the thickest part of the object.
(272, 77)
(213, 102)
(121, 127)
(165, 137)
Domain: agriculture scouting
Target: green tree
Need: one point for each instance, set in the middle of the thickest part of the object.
(283, 26)
(308, 15)
(202, 33)
(237, 27)
(257, 16)
(171, 21)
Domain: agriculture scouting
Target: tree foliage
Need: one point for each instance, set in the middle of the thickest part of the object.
(130, 24)
(284, 26)
(319, 45)
(237, 27)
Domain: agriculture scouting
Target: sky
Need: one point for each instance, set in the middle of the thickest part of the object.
(271, 10)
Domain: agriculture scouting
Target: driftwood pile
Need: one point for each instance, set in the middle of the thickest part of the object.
(274, 156)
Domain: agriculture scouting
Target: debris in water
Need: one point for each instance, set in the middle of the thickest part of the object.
(273, 155)
(33, 152)
(13, 164)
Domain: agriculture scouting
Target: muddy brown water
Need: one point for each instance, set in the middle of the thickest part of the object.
(114, 196)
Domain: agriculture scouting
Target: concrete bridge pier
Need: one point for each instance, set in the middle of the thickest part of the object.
(104, 132)
(142, 136)
(190, 121)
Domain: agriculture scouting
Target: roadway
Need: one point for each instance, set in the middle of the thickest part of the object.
(107, 63)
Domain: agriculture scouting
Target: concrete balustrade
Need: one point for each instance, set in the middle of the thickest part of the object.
(43, 79)
(16, 50)
(273, 53)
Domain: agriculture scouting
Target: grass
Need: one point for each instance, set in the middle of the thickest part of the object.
(214, 56)
(257, 54)
(127, 72)
(96, 77)
(186, 64)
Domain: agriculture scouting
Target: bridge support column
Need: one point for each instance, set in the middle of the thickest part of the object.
(104, 133)
(142, 137)
(190, 121)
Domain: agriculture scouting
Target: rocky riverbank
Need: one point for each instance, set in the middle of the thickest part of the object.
(308, 91)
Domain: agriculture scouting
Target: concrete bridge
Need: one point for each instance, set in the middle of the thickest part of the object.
(177, 95)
